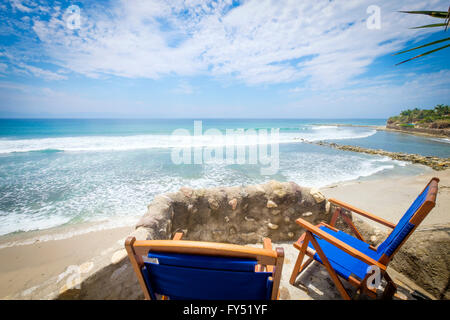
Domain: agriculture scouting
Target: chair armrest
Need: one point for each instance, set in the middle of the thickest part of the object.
(362, 212)
(339, 244)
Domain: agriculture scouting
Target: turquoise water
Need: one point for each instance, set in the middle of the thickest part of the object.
(47, 128)
(63, 172)
(401, 142)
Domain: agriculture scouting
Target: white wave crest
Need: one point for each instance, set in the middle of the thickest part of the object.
(124, 143)
(339, 135)
(324, 127)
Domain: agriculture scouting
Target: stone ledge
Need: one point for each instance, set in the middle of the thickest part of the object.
(238, 215)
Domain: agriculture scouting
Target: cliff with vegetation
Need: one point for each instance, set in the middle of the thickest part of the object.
(430, 121)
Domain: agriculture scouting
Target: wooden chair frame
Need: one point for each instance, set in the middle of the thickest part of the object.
(267, 259)
(303, 241)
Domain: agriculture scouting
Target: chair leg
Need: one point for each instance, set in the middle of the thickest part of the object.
(391, 288)
(298, 264)
(299, 268)
(335, 216)
(330, 269)
(267, 244)
(364, 289)
(353, 227)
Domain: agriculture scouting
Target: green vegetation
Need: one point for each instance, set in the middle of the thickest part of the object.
(437, 118)
(435, 14)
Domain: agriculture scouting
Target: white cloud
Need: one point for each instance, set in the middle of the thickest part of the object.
(13, 86)
(19, 5)
(378, 97)
(41, 73)
(258, 42)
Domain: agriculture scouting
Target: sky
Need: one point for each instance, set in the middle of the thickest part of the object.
(217, 59)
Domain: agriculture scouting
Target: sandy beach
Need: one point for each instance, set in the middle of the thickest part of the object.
(24, 267)
(391, 197)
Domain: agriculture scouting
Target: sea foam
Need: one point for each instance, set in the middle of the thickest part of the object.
(139, 142)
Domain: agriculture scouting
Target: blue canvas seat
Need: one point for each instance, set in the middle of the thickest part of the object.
(350, 257)
(343, 263)
(187, 277)
(185, 270)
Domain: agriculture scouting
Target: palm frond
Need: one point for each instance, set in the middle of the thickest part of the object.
(447, 21)
(431, 26)
(434, 14)
(425, 45)
(424, 54)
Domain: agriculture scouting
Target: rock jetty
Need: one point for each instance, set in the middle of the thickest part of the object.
(436, 163)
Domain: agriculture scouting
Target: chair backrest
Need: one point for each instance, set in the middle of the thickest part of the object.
(187, 277)
(410, 220)
(203, 270)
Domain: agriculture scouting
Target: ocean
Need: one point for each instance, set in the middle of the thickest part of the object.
(63, 172)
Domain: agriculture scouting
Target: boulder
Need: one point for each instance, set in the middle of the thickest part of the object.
(425, 259)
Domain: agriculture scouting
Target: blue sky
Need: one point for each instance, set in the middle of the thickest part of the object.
(216, 59)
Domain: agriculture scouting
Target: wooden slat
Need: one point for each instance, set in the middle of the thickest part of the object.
(310, 252)
(298, 264)
(428, 205)
(353, 227)
(178, 236)
(263, 256)
(335, 216)
(435, 182)
(136, 262)
(267, 244)
(328, 226)
(363, 213)
(277, 273)
(301, 239)
(390, 289)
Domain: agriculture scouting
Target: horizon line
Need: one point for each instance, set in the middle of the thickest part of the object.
(195, 118)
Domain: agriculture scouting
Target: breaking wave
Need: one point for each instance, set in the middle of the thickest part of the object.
(137, 142)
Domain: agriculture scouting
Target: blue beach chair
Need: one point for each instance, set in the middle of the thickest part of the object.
(191, 270)
(349, 257)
